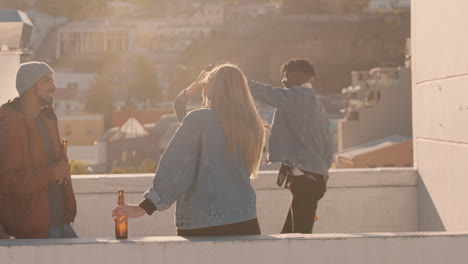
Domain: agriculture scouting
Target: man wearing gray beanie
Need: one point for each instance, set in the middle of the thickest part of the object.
(36, 194)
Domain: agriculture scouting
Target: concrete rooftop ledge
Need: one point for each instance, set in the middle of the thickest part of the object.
(266, 180)
(372, 200)
(224, 239)
(414, 248)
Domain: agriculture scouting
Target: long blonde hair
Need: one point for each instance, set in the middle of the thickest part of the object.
(229, 96)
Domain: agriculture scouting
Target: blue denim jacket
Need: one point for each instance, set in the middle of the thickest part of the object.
(300, 135)
(210, 188)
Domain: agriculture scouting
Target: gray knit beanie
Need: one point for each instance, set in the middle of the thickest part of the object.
(29, 73)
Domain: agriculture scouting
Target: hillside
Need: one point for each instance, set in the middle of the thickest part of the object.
(335, 48)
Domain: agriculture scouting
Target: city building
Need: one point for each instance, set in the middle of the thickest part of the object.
(77, 81)
(68, 101)
(71, 89)
(94, 37)
(127, 145)
(377, 105)
(81, 128)
(209, 14)
(146, 116)
(240, 13)
(394, 151)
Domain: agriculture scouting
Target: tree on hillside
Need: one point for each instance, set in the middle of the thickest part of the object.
(145, 84)
(99, 99)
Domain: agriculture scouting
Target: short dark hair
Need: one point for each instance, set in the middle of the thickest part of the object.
(299, 65)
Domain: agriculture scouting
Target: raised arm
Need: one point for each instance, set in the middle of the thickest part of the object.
(184, 97)
(277, 97)
(180, 105)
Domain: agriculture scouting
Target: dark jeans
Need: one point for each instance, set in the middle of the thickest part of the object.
(62, 231)
(306, 194)
(250, 227)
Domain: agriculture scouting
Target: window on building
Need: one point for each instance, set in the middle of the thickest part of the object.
(68, 131)
(389, 165)
(68, 107)
(372, 166)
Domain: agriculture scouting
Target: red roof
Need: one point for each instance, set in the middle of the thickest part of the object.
(143, 116)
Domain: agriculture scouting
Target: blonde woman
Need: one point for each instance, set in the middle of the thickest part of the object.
(208, 164)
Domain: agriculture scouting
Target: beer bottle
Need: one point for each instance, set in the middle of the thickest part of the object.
(121, 229)
(64, 158)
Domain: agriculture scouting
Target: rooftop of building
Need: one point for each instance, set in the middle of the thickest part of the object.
(372, 146)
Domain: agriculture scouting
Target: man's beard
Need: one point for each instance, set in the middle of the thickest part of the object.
(43, 100)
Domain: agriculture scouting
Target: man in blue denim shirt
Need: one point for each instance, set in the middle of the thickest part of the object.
(300, 140)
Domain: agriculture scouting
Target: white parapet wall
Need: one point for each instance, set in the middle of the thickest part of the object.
(383, 248)
(440, 111)
(357, 201)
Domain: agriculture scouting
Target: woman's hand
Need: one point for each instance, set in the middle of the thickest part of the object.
(197, 86)
(194, 89)
(123, 212)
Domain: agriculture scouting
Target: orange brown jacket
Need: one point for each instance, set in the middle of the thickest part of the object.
(25, 173)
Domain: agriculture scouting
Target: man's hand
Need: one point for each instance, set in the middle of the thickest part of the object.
(62, 171)
(123, 212)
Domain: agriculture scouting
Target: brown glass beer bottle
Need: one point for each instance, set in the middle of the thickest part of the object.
(121, 229)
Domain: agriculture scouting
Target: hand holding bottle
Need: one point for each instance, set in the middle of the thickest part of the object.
(123, 212)
(66, 176)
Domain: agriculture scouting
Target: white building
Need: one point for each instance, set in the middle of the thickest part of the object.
(93, 37)
(211, 15)
(239, 13)
(377, 105)
(73, 80)
(68, 101)
(71, 86)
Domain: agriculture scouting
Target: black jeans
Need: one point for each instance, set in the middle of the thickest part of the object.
(306, 194)
(250, 227)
